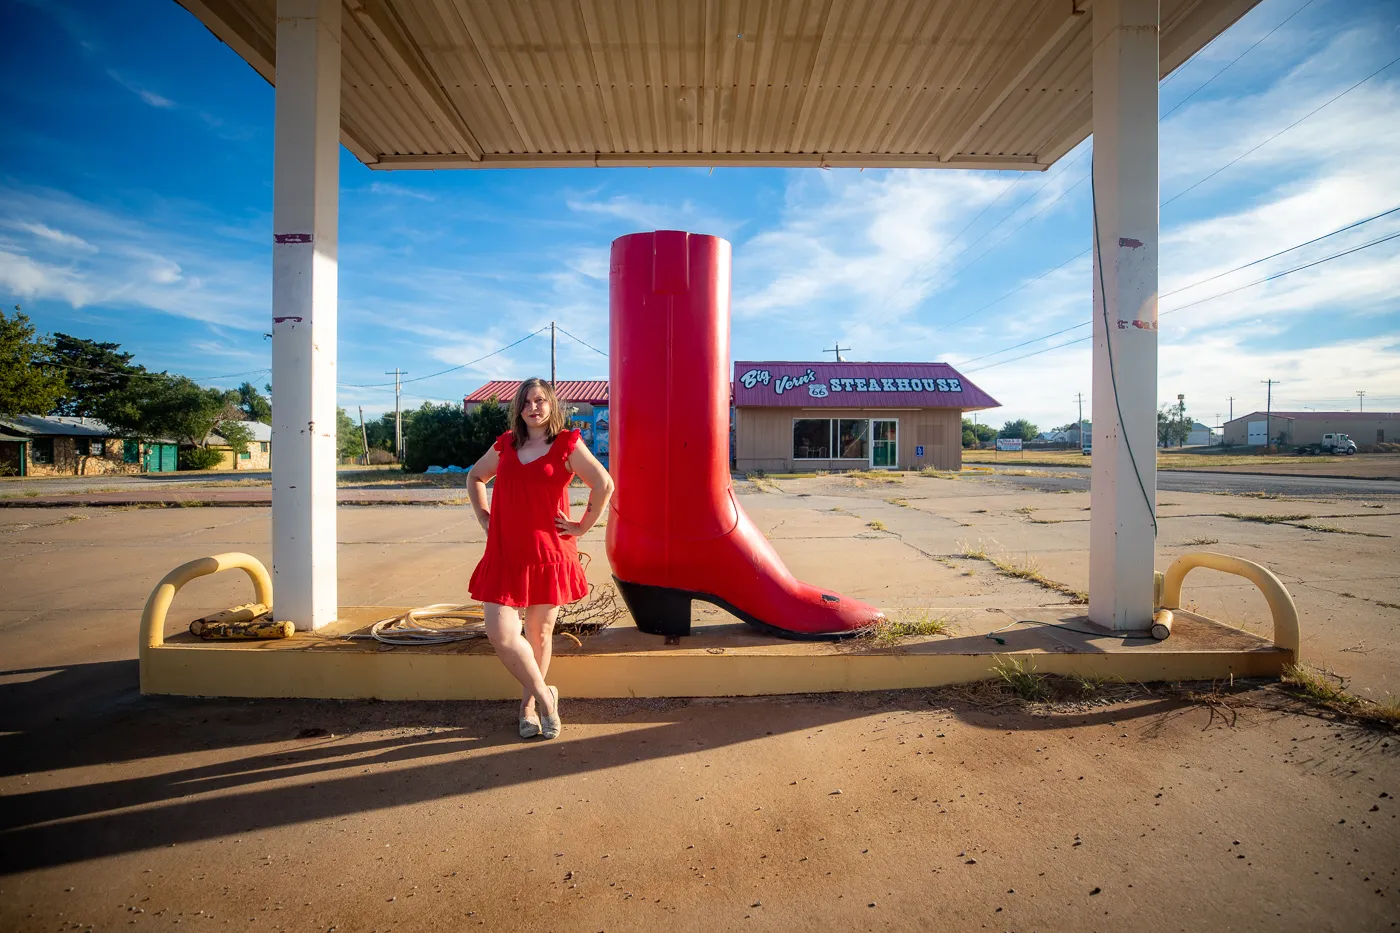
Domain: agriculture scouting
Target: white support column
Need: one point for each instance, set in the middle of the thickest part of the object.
(306, 191)
(1124, 490)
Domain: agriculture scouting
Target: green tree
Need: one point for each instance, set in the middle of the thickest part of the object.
(381, 430)
(162, 406)
(490, 420)
(254, 405)
(974, 434)
(437, 436)
(1021, 428)
(1173, 427)
(93, 371)
(448, 435)
(348, 442)
(238, 434)
(29, 383)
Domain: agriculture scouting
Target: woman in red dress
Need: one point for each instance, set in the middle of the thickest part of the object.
(531, 560)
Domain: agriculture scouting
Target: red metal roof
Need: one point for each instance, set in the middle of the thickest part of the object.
(588, 391)
(1326, 415)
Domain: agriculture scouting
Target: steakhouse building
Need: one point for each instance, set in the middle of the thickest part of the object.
(850, 416)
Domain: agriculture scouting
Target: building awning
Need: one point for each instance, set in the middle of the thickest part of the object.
(430, 84)
(856, 385)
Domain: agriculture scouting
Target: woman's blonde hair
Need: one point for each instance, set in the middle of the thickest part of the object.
(558, 420)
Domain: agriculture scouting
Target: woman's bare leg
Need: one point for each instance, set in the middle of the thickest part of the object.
(503, 630)
(539, 632)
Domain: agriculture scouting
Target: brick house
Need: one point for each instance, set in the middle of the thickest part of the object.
(35, 445)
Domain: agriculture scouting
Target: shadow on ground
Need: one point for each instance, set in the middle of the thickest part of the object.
(91, 716)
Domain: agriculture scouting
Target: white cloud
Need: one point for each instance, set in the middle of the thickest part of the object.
(879, 242)
(59, 237)
(149, 96)
(155, 100)
(69, 250)
(29, 278)
(647, 215)
(389, 188)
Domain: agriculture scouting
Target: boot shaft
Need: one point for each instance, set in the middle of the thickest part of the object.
(669, 389)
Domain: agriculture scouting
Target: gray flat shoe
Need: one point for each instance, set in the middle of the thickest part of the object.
(550, 725)
(529, 726)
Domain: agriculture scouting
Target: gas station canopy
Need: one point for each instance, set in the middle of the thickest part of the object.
(982, 84)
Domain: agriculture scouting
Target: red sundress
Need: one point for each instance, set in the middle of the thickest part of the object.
(527, 562)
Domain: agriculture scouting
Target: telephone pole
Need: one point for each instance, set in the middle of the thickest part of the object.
(1361, 397)
(837, 350)
(364, 437)
(398, 416)
(551, 354)
(1269, 416)
(1079, 397)
(1232, 408)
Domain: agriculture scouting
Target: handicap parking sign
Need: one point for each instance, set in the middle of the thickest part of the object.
(919, 450)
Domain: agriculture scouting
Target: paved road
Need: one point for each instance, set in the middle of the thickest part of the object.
(65, 485)
(1059, 477)
(1077, 478)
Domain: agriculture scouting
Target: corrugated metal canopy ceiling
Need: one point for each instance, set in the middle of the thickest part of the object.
(869, 83)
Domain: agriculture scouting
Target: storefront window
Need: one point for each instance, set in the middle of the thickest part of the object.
(81, 446)
(854, 437)
(41, 450)
(811, 439)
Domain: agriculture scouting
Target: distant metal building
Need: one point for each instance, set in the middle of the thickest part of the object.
(1366, 428)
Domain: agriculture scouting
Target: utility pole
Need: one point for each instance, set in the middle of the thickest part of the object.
(551, 354)
(1079, 397)
(398, 416)
(1361, 397)
(1232, 408)
(364, 437)
(1269, 416)
(837, 350)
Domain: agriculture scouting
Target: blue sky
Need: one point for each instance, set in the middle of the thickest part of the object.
(136, 196)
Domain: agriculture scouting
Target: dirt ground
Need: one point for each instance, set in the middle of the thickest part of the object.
(1153, 807)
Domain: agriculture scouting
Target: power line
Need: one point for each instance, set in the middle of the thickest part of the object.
(1277, 275)
(584, 342)
(1282, 251)
(146, 375)
(1173, 198)
(1236, 59)
(450, 369)
(1204, 281)
(1281, 132)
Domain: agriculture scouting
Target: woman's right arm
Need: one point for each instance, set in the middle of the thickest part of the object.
(481, 471)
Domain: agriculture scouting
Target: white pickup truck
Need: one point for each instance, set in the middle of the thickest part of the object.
(1331, 444)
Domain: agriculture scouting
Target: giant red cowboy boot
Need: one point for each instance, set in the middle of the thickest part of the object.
(676, 533)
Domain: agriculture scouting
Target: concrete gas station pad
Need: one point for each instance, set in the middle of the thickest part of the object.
(722, 658)
(914, 564)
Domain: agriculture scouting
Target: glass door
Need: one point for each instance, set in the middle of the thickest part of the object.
(884, 445)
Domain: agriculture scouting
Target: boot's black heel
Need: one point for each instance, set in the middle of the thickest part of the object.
(657, 610)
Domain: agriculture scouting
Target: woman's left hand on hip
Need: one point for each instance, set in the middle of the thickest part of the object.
(566, 528)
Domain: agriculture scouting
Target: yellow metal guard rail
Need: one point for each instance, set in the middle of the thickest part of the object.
(1281, 606)
(153, 619)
